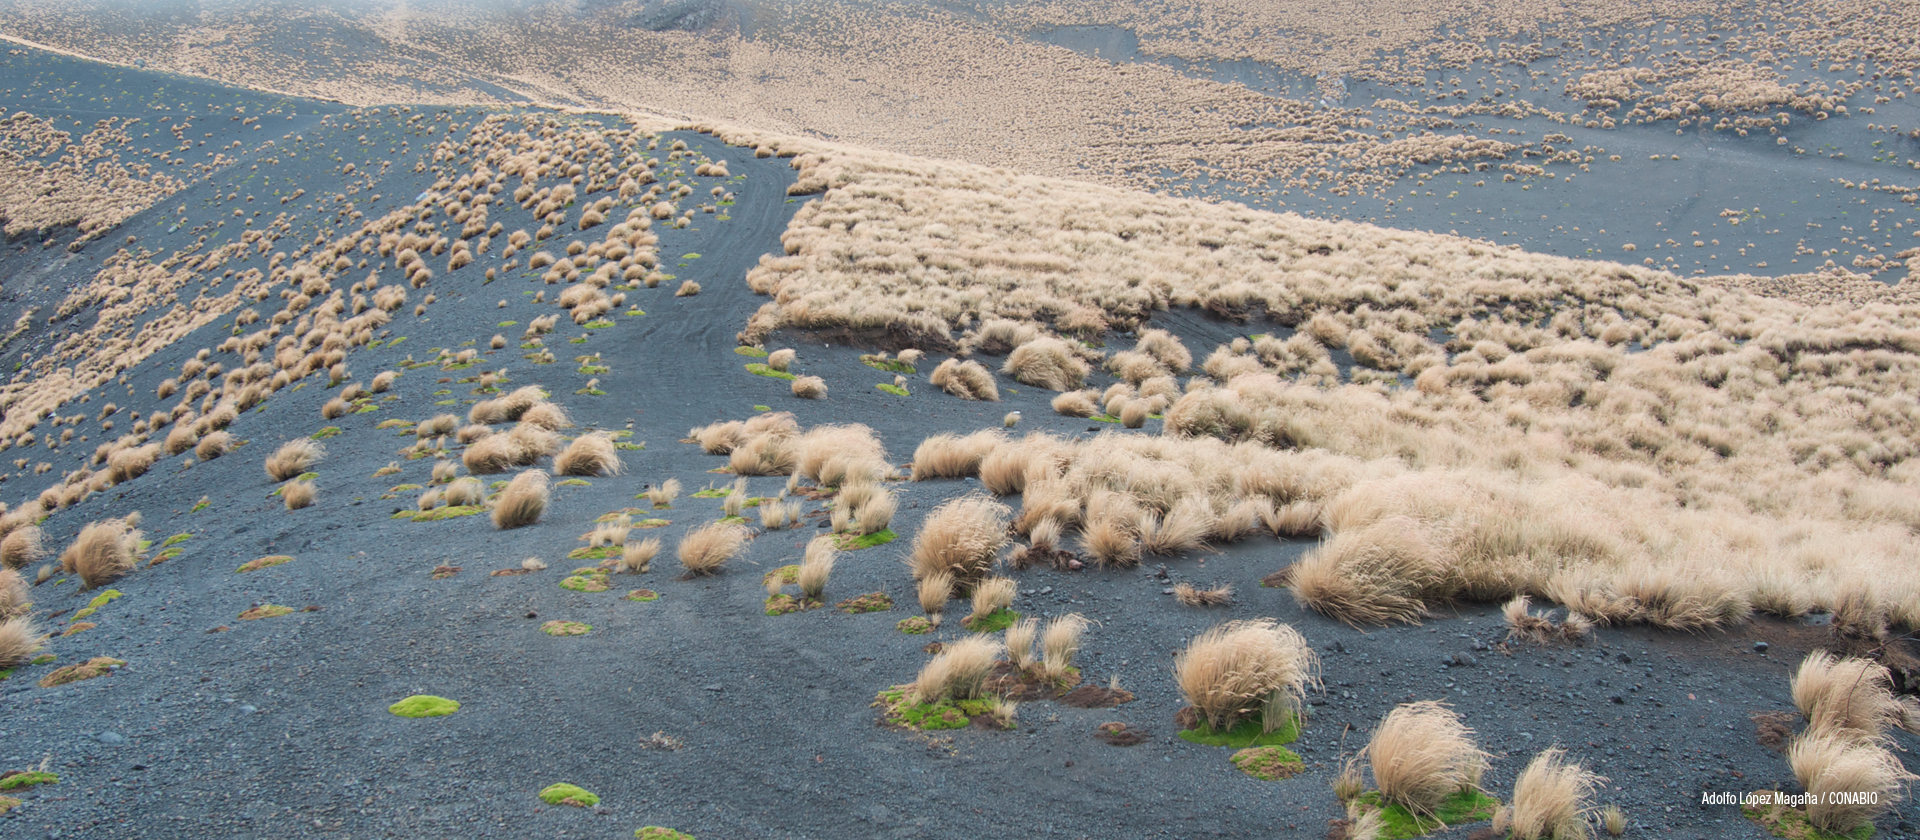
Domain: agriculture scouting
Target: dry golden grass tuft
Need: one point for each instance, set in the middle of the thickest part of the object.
(589, 454)
(967, 380)
(1246, 669)
(809, 387)
(948, 455)
(1193, 596)
(213, 445)
(102, 552)
(523, 501)
(1019, 639)
(20, 640)
(465, 491)
(1852, 781)
(297, 494)
(663, 494)
(990, 594)
(687, 289)
(1550, 798)
(817, 565)
(961, 537)
(706, 549)
(1420, 754)
(15, 598)
(780, 359)
(1076, 404)
(1060, 641)
(959, 671)
(292, 458)
(1849, 696)
(636, 557)
(934, 591)
(22, 547)
(1046, 363)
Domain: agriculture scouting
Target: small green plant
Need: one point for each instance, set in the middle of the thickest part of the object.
(424, 705)
(886, 364)
(98, 666)
(893, 389)
(586, 583)
(1246, 733)
(28, 779)
(643, 595)
(565, 628)
(914, 626)
(1459, 808)
(753, 352)
(654, 832)
(1782, 820)
(900, 710)
(566, 794)
(760, 369)
(264, 562)
(201, 505)
(264, 611)
(850, 542)
(870, 602)
(992, 622)
(1269, 763)
(325, 433)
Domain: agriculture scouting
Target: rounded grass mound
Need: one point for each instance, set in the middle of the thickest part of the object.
(424, 705)
(565, 794)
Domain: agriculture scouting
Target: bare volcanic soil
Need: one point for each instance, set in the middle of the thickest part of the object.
(695, 710)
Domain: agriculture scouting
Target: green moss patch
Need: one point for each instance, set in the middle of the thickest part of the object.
(1459, 808)
(886, 364)
(763, 408)
(759, 369)
(324, 433)
(1244, 734)
(264, 611)
(992, 622)
(1269, 763)
(914, 626)
(605, 552)
(405, 488)
(1782, 820)
(8, 803)
(573, 482)
(448, 512)
(586, 583)
(98, 666)
(654, 832)
(783, 604)
(566, 794)
(850, 542)
(20, 780)
(643, 595)
(201, 505)
(899, 711)
(565, 628)
(165, 555)
(893, 389)
(264, 562)
(753, 352)
(870, 602)
(78, 627)
(94, 605)
(176, 539)
(394, 423)
(711, 493)
(424, 705)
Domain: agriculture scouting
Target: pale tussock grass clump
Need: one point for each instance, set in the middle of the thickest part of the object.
(20, 640)
(1075, 404)
(663, 494)
(967, 380)
(1048, 363)
(523, 501)
(589, 454)
(933, 592)
(297, 494)
(22, 547)
(1422, 753)
(636, 557)
(705, 550)
(780, 359)
(817, 566)
(1550, 799)
(1849, 696)
(1059, 642)
(293, 458)
(958, 672)
(1852, 781)
(102, 552)
(1243, 669)
(989, 595)
(809, 387)
(1019, 641)
(947, 455)
(961, 537)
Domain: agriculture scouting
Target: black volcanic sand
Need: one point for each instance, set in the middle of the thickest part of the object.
(279, 728)
(1793, 211)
